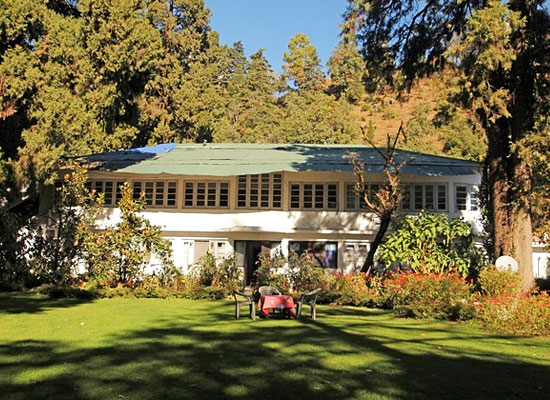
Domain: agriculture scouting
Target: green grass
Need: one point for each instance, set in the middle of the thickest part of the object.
(164, 349)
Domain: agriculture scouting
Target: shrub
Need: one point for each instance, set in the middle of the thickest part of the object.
(120, 253)
(227, 275)
(440, 296)
(353, 289)
(524, 315)
(493, 283)
(304, 275)
(270, 272)
(205, 269)
(430, 243)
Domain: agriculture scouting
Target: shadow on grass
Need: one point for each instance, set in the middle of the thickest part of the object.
(210, 358)
(19, 303)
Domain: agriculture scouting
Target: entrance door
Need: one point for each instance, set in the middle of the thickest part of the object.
(248, 252)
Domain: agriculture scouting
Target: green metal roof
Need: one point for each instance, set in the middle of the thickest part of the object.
(229, 159)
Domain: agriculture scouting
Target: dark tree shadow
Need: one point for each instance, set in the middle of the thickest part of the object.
(19, 303)
(212, 357)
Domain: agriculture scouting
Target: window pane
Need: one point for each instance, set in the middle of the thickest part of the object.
(241, 191)
(149, 193)
(331, 255)
(171, 195)
(108, 193)
(253, 191)
(98, 186)
(362, 202)
(474, 199)
(265, 191)
(159, 194)
(294, 196)
(418, 197)
(189, 189)
(212, 186)
(332, 196)
(308, 196)
(461, 195)
(319, 195)
(224, 194)
(137, 188)
(441, 197)
(351, 196)
(406, 202)
(277, 190)
(201, 194)
(429, 196)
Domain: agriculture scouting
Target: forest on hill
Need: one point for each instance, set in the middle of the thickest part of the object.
(469, 79)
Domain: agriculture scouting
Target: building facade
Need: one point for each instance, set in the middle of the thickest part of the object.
(249, 199)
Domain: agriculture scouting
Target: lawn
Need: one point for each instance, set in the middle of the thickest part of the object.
(164, 349)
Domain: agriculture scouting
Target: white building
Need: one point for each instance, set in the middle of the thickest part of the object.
(259, 198)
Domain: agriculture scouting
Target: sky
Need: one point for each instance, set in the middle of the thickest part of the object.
(269, 25)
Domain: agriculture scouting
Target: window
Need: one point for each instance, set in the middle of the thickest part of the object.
(356, 201)
(324, 254)
(314, 196)
(260, 191)
(157, 193)
(206, 194)
(110, 189)
(424, 196)
(466, 198)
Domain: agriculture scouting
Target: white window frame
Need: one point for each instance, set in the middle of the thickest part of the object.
(268, 191)
(115, 193)
(207, 183)
(358, 202)
(152, 197)
(472, 197)
(411, 187)
(301, 188)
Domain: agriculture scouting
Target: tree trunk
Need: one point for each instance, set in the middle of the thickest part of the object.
(509, 183)
(384, 225)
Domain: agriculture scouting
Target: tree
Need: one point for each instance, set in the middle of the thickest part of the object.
(385, 201)
(302, 65)
(431, 243)
(119, 254)
(316, 117)
(501, 48)
(347, 72)
(51, 241)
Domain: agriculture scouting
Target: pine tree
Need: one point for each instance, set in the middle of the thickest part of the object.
(302, 65)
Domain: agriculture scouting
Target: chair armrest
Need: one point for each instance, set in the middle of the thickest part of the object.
(310, 297)
(245, 295)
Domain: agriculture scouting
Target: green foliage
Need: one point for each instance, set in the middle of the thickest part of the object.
(120, 253)
(493, 283)
(420, 131)
(302, 65)
(270, 272)
(527, 315)
(205, 269)
(440, 296)
(347, 72)
(52, 249)
(315, 117)
(304, 274)
(430, 243)
(353, 289)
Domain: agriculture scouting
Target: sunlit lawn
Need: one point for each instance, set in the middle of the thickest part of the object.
(164, 349)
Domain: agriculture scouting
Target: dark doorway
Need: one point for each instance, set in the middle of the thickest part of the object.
(248, 252)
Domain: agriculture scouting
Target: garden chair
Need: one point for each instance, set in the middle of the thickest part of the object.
(268, 290)
(248, 301)
(309, 299)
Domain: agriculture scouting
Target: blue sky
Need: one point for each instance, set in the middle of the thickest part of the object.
(269, 24)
